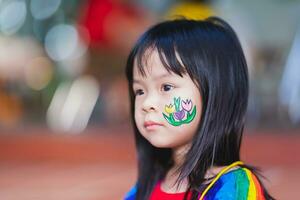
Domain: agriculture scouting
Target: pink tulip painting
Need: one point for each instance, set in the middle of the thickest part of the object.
(187, 105)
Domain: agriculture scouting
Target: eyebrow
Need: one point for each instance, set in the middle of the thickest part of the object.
(156, 78)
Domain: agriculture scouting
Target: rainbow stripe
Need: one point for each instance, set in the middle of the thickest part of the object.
(238, 184)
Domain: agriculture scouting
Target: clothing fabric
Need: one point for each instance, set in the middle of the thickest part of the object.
(159, 194)
(237, 184)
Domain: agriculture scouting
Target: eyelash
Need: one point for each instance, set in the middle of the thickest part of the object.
(164, 86)
(138, 92)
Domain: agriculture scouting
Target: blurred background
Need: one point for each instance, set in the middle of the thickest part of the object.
(64, 117)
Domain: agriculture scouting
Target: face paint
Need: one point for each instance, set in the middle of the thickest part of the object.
(182, 112)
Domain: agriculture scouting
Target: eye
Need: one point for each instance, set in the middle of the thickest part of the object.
(167, 87)
(138, 92)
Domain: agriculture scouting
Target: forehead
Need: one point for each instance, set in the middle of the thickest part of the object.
(152, 66)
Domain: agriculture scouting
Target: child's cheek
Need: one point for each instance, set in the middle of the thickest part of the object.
(179, 111)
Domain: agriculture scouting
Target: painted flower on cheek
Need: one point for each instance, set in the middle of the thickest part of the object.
(177, 103)
(169, 109)
(179, 115)
(181, 112)
(187, 105)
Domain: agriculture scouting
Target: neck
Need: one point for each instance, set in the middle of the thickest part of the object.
(169, 184)
(179, 154)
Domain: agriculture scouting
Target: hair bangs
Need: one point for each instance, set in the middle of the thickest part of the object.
(166, 49)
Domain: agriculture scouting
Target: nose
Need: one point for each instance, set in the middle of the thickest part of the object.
(150, 103)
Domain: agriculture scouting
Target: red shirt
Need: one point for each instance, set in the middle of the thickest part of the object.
(158, 194)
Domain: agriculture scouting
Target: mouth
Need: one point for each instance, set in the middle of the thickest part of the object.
(152, 124)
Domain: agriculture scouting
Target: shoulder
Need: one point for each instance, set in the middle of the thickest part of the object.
(131, 194)
(238, 184)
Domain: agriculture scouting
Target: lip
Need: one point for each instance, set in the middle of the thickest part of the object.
(151, 124)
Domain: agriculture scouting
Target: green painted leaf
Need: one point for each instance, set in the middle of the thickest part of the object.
(190, 116)
(177, 104)
(174, 122)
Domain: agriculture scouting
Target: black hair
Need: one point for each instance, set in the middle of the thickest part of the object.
(210, 53)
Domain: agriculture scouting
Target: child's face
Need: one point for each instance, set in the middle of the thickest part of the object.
(167, 106)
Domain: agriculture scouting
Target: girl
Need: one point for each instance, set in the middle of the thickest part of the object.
(188, 85)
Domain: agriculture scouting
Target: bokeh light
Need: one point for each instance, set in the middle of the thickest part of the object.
(15, 53)
(12, 16)
(64, 45)
(72, 105)
(38, 73)
(61, 42)
(44, 9)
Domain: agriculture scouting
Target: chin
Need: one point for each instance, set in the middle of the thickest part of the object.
(158, 142)
(161, 143)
